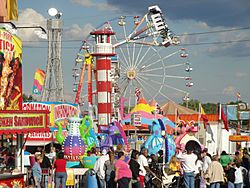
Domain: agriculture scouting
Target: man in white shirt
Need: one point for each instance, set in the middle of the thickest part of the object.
(238, 176)
(99, 170)
(144, 167)
(188, 164)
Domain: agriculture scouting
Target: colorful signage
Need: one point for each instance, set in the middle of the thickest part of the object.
(10, 71)
(239, 138)
(22, 120)
(58, 111)
(136, 119)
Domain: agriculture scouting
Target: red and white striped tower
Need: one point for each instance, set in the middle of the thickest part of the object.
(103, 52)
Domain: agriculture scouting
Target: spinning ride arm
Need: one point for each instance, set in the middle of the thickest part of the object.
(88, 63)
(155, 27)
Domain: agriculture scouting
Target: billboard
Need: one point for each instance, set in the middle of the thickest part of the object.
(10, 71)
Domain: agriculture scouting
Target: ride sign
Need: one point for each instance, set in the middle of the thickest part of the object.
(136, 119)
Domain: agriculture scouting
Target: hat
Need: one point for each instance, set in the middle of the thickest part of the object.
(104, 151)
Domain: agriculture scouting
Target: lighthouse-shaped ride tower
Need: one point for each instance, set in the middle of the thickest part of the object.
(103, 52)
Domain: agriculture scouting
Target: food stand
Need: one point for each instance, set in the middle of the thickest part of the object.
(20, 122)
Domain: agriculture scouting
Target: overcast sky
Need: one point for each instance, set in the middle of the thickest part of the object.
(219, 54)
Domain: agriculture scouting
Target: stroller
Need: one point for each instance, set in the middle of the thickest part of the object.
(154, 180)
(171, 181)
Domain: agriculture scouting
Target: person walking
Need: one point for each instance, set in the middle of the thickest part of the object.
(37, 171)
(109, 168)
(230, 174)
(238, 182)
(188, 160)
(144, 167)
(135, 168)
(123, 173)
(215, 173)
(99, 169)
(61, 174)
(198, 171)
(46, 168)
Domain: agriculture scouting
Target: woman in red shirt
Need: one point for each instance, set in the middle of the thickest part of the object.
(61, 174)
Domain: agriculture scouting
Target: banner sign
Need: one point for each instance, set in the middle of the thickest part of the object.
(10, 71)
(232, 112)
(16, 121)
(244, 115)
(59, 111)
(239, 138)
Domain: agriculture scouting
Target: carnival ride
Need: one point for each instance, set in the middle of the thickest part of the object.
(128, 66)
(139, 61)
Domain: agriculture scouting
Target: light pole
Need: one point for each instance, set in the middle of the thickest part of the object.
(12, 28)
(53, 87)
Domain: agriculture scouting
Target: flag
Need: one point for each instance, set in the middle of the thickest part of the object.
(38, 82)
(177, 116)
(203, 116)
(137, 94)
(224, 118)
(238, 96)
(12, 10)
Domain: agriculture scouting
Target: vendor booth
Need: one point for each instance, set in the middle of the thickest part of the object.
(13, 122)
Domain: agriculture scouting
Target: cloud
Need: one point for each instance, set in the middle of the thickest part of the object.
(76, 32)
(98, 5)
(29, 17)
(241, 74)
(230, 90)
(221, 41)
(84, 3)
(213, 12)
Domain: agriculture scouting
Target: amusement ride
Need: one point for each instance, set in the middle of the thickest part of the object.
(124, 64)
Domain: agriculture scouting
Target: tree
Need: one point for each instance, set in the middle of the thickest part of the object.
(209, 108)
(192, 104)
(28, 98)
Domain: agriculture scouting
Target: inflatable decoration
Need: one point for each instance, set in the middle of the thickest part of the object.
(74, 145)
(186, 132)
(154, 142)
(115, 136)
(169, 147)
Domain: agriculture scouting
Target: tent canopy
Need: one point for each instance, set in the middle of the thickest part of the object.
(171, 107)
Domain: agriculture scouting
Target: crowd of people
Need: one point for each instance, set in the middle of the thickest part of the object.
(201, 170)
(135, 169)
(42, 166)
(187, 169)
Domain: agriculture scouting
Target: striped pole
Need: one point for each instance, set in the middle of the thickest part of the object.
(103, 68)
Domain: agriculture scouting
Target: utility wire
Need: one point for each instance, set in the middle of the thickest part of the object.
(183, 44)
(217, 31)
(183, 34)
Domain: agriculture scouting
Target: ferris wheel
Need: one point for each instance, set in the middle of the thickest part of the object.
(144, 66)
